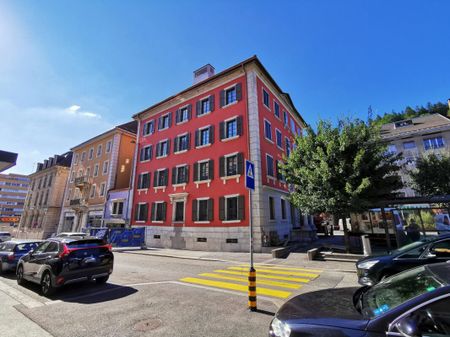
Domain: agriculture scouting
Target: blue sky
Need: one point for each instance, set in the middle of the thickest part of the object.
(72, 69)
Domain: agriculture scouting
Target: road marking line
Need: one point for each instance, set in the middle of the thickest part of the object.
(20, 297)
(280, 272)
(258, 276)
(237, 287)
(272, 266)
(242, 279)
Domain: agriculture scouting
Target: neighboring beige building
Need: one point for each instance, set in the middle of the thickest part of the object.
(416, 137)
(98, 165)
(44, 199)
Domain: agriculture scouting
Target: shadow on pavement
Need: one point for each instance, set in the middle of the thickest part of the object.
(265, 312)
(95, 294)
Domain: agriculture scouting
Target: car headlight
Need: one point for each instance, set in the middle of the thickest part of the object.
(280, 329)
(367, 264)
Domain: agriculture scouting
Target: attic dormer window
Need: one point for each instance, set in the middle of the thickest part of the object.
(404, 123)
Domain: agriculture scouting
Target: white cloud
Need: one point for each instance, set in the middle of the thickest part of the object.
(75, 111)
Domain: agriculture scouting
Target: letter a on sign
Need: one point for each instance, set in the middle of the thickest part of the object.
(249, 175)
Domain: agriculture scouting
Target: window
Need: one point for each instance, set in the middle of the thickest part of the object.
(288, 146)
(144, 180)
(88, 172)
(45, 181)
(102, 189)
(108, 146)
(204, 136)
(283, 209)
(279, 138)
(46, 197)
(72, 177)
(205, 106)
(276, 109)
(230, 95)
(231, 165)
(75, 160)
(105, 167)
(269, 163)
(180, 175)
(183, 114)
(433, 143)
(91, 153)
(146, 153)
(299, 131)
(161, 177)
(292, 126)
(203, 170)
(202, 209)
(391, 148)
(266, 99)
(285, 118)
(231, 128)
(271, 208)
(179, 211)
(231, 208)
(409, 145)
(181, 143)
(141, 212)
(92, 194)
(49, 182)
(159, 211)
(96, 170)
(267, 130)
(162, 148)
(99, 150)
(165, 121)
(117, 208)
(280, 175)
(83, 156)
(149, 128)
(80, 174)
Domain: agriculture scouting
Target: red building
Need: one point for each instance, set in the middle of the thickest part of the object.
(189, 187)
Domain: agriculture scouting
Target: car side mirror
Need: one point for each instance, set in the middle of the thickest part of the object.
(408, 327)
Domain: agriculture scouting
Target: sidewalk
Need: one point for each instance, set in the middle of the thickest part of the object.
(15, 324)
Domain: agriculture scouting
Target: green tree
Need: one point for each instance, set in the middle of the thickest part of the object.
(432, 175)
(341, 169)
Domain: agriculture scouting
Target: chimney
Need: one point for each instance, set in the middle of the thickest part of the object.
(203, 73)
(45, 163)
(39, 167)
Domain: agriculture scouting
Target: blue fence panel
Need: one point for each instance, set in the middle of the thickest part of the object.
(121, 237)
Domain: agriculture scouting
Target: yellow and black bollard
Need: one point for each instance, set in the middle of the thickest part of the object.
(252, 289)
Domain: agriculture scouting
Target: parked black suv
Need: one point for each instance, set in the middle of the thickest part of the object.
(60, 261)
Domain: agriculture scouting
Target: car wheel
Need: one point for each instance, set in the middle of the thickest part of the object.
(19, 275)
(47, 288)
(101, 280)
(1, 268)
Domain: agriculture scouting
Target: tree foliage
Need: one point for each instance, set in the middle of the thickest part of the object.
(341, 169)
(430, 108)
(432, 175)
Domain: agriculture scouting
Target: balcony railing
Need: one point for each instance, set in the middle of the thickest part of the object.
(75, 202)
(82, 181)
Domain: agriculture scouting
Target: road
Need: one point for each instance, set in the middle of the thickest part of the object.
(162, 296)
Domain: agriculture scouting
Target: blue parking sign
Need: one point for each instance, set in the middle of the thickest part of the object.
(249, 175)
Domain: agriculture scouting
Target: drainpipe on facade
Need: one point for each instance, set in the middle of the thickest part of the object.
(132, 175)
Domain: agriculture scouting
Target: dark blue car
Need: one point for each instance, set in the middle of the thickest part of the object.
(12, 251)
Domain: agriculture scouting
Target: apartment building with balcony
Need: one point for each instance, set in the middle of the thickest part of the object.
(414, 138)
(13, 191)
(189, 187)
(99, 165)
(42, 210)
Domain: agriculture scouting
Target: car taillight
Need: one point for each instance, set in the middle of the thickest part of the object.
(11, 257)
(109, 246)
(65, 252)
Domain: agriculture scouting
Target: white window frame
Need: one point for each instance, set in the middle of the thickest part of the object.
(225, 93)
(226, 208)
(234, 118)
(150, 133)
(107, 167)
(267, 167)
(198, 211)
(265, 136)
(102, 189)
(176, 175)
(143, 149)
(277, 131)
(162, 119)
(93, 191)
(201, 113)
(200, 136)
(187, 116)
(159, 146)
(156, 212)
(99, 150)
(108, 146)
(226, 166)
(96, 168)
(178, 141)
(174, 210)
(138, 211)
(275, 111)
(268, 95)
(114, 201)
(83, 156)
(75, 159)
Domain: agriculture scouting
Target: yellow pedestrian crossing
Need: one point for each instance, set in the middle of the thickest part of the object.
(277, 281)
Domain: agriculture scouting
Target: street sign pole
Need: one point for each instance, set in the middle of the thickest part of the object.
(250, 184)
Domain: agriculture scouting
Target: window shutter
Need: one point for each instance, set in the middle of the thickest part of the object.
(144, 129)
(222, 130)
(189, 111)
(241, 207)
(239, 125)
(139, 181)
(149, 175)
(177, 116)
(151, 151)
(195, 171)
(145, 212)
(240, 163)
(186, 174)
(197, 132)
(222, 208)
(158, 151)
(164, 209)
(188, 141)
(174, 175)
(155, 179)
(141, 155)
(211, 134)
(210, 209)
(222, 166)
(153, 215)
(211, 169)
(136, 212)
(166, 176)
(170, 119)
(194, 210)
(222, 98)
(168, 146)
(175, 144)
(198, 106)
(211, 103)
(238, 91)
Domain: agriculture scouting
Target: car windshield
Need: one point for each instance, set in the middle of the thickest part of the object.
(6, 247)
(410, 246)
(26, 247)
(397, 290)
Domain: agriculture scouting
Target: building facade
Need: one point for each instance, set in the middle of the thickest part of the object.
(189, 187)
(414, 138)
(13, 191)
(99, 165)
(44, 199)
(117, 210)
